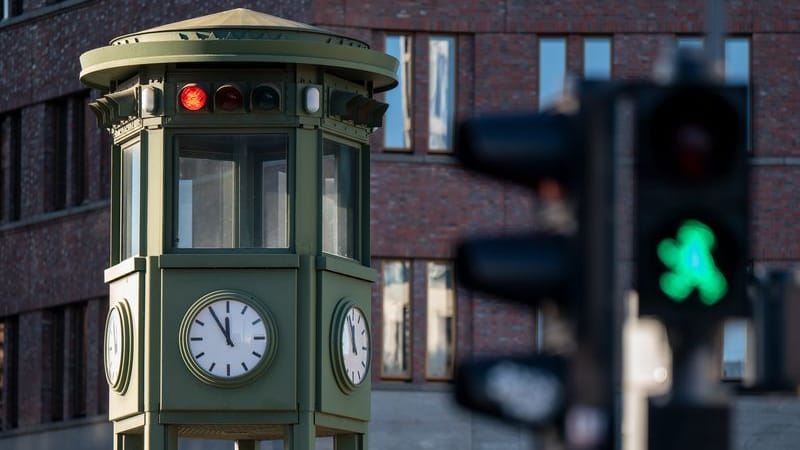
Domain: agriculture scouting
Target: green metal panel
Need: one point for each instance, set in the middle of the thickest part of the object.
(275, 389)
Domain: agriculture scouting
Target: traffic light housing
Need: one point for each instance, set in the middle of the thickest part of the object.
(692, 203)
(572, 266)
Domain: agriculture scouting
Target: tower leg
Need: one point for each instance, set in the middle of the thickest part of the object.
(244, 444)
(302, 436)
(157, 436)
(350, 442)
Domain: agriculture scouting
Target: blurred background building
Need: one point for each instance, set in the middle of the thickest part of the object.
(457, 59)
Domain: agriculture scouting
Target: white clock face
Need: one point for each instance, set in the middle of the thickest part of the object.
(228, 338)
(355, 345)
(113, 342)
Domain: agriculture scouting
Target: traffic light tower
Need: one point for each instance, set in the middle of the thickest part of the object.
(692, 219)
(574, 393)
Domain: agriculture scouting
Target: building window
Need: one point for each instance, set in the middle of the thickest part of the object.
(396, 360)
(339, 198)
(56, 161)
(397, 128)
(441, 321)
(737, 68)
(53, 370)
(552, 69)
(77, 359)
(11, 8)
(737, 71)
(10, 176)
(8, 373)
(131, 200)
(232, 191)
(597, 58)
(441, 92)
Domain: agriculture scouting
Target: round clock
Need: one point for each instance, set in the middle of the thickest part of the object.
(227, 338)
(350, 345)
(117, 346)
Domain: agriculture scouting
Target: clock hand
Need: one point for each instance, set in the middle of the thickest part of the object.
(219, 324)
(228, 331)
(352, 336)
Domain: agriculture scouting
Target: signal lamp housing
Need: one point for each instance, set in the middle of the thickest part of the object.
(193, 97)
(228, 98)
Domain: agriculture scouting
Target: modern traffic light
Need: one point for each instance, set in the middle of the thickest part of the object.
(572, 266)
(692, 202)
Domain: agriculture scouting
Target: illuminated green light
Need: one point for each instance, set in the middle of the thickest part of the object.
(691, 265)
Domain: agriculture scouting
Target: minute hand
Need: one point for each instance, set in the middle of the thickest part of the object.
(221, 328)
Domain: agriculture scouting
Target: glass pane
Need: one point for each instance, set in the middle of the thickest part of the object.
(275, 202)
(552, 69)
(737, 70)
(734, 350)
(691, 42)
(397, 130)
(131, 200)
(339, 197)
(206, 203)
(597, 58)
(441, 321)
(396, 318)
(221, 203)
(441, 92)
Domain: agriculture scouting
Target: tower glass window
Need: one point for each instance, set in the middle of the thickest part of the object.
(339, 198)
(232, 191)
(131, 199)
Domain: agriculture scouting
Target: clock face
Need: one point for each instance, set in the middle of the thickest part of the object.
(355, 345)
(228, 338)
(113, 346)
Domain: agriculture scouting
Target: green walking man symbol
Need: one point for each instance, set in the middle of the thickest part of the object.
(691, 265)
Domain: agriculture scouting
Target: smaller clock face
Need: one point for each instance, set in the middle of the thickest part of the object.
(355, 345)
(113, 341)
(228, 338)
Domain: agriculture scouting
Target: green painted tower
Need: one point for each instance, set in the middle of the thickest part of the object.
(239, 280)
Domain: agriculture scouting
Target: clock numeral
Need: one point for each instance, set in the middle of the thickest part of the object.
(227, 306)
(364, 347)
(211, 369)
(196, 339)
(228, 369)
(199, 355)
(363, 331)
(256, 321)
(244, 309)
(257, 355)
(359, 374)
(199, 322)
(363, 364)
(245, 367)
(259, 338)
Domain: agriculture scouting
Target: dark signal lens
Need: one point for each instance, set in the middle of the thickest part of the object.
(228, 98)
(265, 98)
(193, 97)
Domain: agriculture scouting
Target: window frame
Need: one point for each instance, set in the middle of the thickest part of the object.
(542, 106)
(452, 70)
(452, 358)
(359, 227)
(405, 88)
(408, 374)
(171, 191)
(610, 40)
(140, 140)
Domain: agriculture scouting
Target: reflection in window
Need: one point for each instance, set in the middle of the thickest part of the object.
(396, 319)
(232, 191)
(131, 200)
(734, 349)
(339, 197)
(397, 129)
(552, 70)
(737, 70)
(441, 92)
(597, 58)
(441, 321)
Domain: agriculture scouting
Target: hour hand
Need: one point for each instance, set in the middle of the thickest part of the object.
(221, 328)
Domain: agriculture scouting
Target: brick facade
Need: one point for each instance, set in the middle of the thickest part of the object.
(421, 202)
